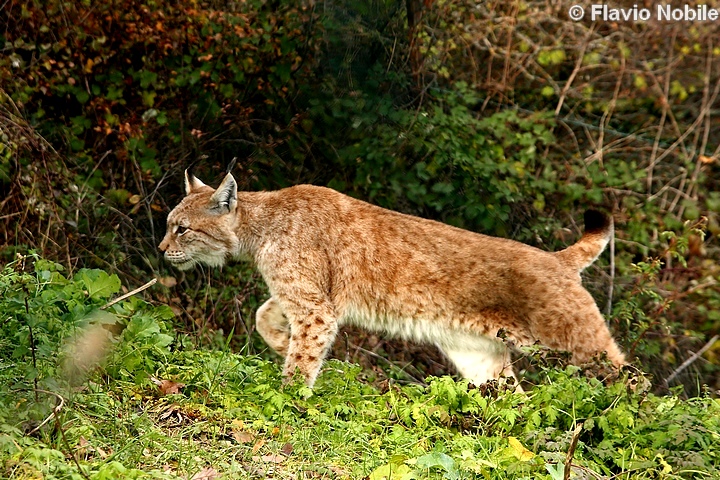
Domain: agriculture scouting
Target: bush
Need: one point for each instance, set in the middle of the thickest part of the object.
(508, 127)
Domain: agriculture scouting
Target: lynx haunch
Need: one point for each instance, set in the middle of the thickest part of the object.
(329, 259)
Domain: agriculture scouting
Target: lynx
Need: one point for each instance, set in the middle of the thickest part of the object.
(329, 259)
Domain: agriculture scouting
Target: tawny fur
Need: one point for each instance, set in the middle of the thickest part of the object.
(329, 259)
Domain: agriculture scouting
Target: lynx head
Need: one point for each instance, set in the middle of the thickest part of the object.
(201, 229)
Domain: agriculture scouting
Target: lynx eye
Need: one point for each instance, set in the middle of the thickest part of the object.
(180, 230)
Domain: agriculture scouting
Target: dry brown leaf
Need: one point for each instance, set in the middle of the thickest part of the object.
(171, 413)
(258, 445)
(271, 458)
(167, 387)
(243, 437)
(207, 473)
(83, 447)
(705, 159)
(167, 281)
(338, 470)
(287, 449)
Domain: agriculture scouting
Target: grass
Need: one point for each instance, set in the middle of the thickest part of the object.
(151, 409)
(234, 418)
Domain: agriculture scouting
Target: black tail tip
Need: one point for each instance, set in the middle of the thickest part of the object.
(596, 221)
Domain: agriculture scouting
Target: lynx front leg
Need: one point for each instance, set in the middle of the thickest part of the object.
(273, 326)
(312, 332)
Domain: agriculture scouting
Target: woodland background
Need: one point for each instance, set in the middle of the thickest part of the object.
(505, 118)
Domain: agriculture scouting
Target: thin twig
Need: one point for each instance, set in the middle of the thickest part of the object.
(571, 451)
(67, 445)
(129, 294)
(690, 360)
(661, 126)
(611, 287)
(380, 357)
(575, 71)
(31, 337)
(710, 283)
(55, 411)
(589, 472)
(10, 215)
(703, 111)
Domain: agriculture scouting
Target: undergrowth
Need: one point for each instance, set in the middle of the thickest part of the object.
(79, 402)
(502, 118)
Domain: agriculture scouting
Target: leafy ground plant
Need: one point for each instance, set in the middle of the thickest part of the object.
(148, 408)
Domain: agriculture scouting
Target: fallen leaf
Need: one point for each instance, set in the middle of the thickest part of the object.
(271, 458)
(83, 447)
(287, 449)
(258, 445)
(167, 387)
(243, 437)
(338, 470)
(167, 281)
(520, 452)
(171, 414)
(705, 159)
(207, 473)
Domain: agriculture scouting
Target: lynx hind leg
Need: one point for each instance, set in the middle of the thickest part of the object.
(273, 326)
(484, 359)
(313, 327)
(578, 327)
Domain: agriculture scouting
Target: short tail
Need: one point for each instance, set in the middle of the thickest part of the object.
(598, 232)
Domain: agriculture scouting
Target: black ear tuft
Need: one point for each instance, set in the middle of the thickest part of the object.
(192, 183)
(596, 221)
(231, 165)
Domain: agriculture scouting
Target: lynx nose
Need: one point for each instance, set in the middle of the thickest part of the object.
(163, 245)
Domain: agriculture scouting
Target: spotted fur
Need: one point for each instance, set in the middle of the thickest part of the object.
(329, 259)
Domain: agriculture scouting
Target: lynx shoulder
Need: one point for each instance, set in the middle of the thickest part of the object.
(329, 259)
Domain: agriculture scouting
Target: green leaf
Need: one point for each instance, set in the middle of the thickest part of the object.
(82, 96)
(99, 284)
(391, 472)
(547, 91)
(551, 57)
(141, 328)
(148, 98)
(556, 472)
(441, 460)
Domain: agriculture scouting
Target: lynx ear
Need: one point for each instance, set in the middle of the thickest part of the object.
(191, 182)
(224, 199)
